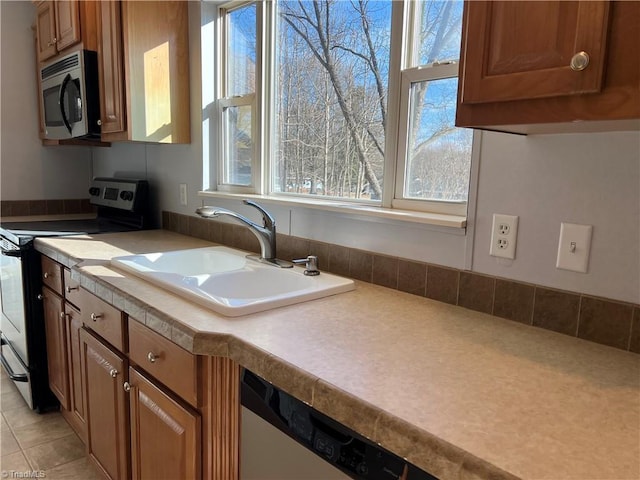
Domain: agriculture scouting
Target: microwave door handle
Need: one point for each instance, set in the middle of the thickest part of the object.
(63, 90)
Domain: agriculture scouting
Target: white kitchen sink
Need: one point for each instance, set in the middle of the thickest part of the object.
(226, 281)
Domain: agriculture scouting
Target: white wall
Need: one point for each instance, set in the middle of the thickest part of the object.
(591, 179)
(582, 178)
(29, 171)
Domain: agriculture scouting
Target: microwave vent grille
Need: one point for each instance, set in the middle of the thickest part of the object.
(65, 64)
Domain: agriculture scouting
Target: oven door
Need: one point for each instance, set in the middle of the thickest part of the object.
(14, 351)
(12, 299)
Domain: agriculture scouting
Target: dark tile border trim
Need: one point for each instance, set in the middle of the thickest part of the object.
(24, 208)
(599, 320)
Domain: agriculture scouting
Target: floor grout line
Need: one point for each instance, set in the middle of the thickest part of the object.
(34, 425)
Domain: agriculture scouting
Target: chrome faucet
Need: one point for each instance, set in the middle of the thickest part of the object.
(265, 233)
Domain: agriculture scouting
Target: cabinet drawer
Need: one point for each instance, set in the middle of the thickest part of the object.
(71, 288)
(52, 274)
(173, 366)
(102, 318)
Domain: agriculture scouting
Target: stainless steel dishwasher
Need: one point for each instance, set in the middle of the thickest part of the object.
(282, 438)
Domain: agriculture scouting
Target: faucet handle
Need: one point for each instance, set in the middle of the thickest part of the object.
(311, 265)
(267, 219)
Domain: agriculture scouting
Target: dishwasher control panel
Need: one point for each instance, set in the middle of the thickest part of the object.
(334, 442)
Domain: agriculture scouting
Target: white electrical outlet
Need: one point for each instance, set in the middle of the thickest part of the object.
(183, 194)
(503, 236)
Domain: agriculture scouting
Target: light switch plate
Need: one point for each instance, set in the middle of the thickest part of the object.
(574, 247)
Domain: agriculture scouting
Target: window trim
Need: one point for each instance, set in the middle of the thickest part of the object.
(252, 99)
(402, 23)
(410, 76)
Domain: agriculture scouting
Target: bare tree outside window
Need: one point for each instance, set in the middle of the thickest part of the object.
(331, 101)
(332, 87)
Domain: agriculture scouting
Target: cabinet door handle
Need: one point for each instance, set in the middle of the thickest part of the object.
(71, 289)
(126, 386)
(579, 61)
(40, 296)
(151, 357)
(113, 372)
(63, 315)
(95, 316)
(46, 275)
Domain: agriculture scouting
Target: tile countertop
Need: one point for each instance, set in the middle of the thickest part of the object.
(461, 394)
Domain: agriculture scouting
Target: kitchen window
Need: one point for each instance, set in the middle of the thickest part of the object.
(342, 100)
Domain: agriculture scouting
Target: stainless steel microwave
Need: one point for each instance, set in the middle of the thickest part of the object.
(69, 96)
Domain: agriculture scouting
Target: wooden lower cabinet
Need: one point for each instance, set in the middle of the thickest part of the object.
(134, 428)
(104, 372)
(56, 339)
(165, 435)
(75, 414)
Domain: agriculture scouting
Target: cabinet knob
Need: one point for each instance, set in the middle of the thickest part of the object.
(579, 61)
(71, 289)
(46, 275)
(99, 122)
(62, 315)
(151, 357)
(40, 296)
(95, 316)
(126, 386)
(113, 372)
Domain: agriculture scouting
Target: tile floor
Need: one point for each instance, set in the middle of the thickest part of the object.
(43, 444)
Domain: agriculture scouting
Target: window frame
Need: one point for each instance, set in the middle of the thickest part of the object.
(224, 101)
(403, 26)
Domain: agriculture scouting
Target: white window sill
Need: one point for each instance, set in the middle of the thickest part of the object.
(425, 218)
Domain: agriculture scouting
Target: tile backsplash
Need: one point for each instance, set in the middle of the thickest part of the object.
(600, 320)
(23, 208)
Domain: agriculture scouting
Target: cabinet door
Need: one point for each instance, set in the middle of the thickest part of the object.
(76, 416)
(106, 409)
(165, 436)
(55, 331)
(67, 23)
(156, 45)
(524, 50)
(46, 30)
(110, 70)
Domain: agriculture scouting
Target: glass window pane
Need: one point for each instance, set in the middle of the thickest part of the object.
(331, 97)
(440, 30)
(241, 51)
(238, 145)
(439, 154)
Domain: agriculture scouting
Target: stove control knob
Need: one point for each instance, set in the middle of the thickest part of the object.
(94, 191)
(126, 195)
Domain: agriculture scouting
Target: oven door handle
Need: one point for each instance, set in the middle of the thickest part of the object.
(16, 377)
(12, 253)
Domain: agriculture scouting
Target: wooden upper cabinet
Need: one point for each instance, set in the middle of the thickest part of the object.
(46, 28)
(144, 71)
(549, 66)
(528, 49)
(58, 26)
(110, 71)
